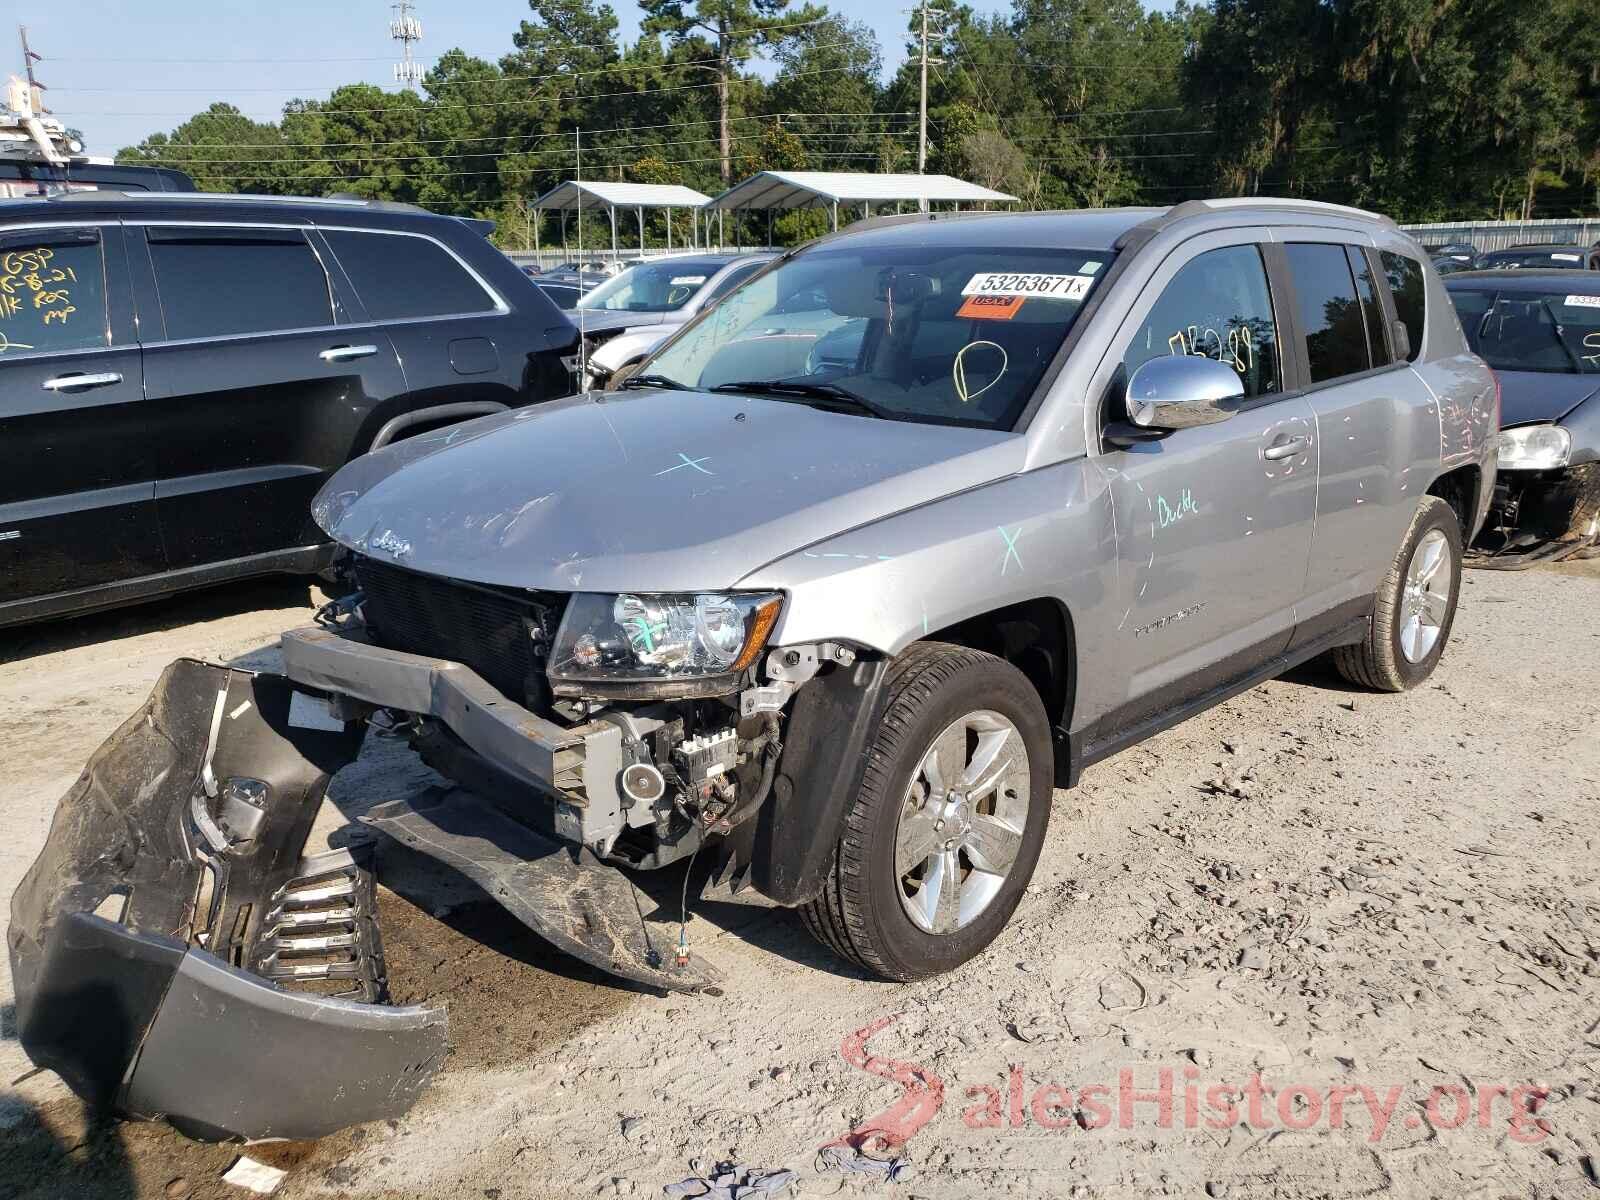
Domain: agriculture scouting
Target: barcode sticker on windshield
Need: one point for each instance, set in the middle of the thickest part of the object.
(1046, 287)
(1582, 301)
(1567, 257)
(685, 280)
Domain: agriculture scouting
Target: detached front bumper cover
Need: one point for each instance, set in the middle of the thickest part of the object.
(185, 834)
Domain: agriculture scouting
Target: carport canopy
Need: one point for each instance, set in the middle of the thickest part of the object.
(771, 190)
(575, 195)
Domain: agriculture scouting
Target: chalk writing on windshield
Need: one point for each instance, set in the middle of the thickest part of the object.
(34, 290)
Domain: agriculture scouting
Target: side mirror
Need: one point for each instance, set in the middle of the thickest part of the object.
(1182, 391)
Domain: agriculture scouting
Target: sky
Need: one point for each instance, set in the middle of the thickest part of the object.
(121, 71)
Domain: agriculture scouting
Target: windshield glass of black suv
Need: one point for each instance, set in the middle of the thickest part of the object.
(951, 335)
(1555, 331)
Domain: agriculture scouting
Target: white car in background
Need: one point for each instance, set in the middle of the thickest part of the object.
(632, 313)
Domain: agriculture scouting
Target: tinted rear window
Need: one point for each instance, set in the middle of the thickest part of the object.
(400, 277)
(1405, 282)
(214, 283)
(1336, 336)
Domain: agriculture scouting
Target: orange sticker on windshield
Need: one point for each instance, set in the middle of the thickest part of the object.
(990, 308)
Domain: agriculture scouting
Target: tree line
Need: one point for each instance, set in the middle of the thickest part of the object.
(1421, 109)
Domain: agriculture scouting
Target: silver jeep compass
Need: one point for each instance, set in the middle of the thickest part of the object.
(910, 529)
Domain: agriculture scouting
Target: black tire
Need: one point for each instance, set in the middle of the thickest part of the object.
(1379, 662)
(859, 914)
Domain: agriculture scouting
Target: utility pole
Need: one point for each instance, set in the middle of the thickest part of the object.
(406, 29)
(28, 59)
(922, 115)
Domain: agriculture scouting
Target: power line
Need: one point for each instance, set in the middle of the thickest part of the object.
(616, 69)
(336, 112)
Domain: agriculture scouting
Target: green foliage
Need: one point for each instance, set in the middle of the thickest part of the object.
(1424, 109)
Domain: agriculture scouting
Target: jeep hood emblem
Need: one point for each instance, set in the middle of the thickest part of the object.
(390, 543)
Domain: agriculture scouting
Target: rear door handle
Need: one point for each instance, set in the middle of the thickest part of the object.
(67, 383)
(1287, 448)
(334, 354)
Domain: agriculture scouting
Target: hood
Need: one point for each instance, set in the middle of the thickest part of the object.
(600, 320)
(644, 490)
(1529, 397)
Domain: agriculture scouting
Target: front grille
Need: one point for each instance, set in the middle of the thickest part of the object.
(501, 633)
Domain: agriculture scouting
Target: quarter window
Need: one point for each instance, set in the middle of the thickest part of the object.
(52, 293)
(400, 278)
(1336, 337)
(216, 283)
(1218, 306)
(1405, 282)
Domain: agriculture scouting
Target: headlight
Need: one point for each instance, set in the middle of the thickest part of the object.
(643, 646)
(1534, 448)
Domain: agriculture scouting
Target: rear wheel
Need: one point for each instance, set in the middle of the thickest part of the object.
(1414, 606)
(949, 821)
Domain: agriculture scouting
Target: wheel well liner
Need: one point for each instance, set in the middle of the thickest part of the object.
(1459, 489)
(439, 414)
(1036, 637)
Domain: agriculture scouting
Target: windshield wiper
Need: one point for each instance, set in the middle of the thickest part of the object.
(1557, 328)
(832, 393)
(652, 381)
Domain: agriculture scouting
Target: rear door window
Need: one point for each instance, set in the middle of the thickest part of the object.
(52, 292)
(402, 278)
(1218, 305)
(1330, 314)
(1405, 283)
(224, 282)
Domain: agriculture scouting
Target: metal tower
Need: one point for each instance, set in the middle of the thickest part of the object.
(406, 29)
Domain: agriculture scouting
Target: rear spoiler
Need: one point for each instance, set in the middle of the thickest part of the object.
(478, 224)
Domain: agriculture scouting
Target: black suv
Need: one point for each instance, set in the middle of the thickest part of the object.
(179, 373)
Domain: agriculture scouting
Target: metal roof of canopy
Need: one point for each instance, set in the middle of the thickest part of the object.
(586, 193)
(808, 189)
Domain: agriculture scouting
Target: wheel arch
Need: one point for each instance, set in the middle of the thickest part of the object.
(1037, 637)
(1461, 488)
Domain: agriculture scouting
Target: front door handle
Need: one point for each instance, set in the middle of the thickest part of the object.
(68, 383)
(1287, 448)
(336, 354)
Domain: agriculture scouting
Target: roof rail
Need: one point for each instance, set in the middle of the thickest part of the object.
(88, 197)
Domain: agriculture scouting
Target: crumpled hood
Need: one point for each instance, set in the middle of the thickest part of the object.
(1527, 397)
(644, 490)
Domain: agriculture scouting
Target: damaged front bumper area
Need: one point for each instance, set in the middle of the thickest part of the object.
(175, 954)
(1540, 516)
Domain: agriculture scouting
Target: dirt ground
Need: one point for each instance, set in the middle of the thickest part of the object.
(1354, 940)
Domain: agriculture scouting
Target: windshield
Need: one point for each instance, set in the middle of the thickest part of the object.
(945, 334)
(1502, 259)
(1553, 331)
(653, 287)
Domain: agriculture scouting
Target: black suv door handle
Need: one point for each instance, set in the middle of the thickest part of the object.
(68, 383)
(335, 354)
(1287, 448)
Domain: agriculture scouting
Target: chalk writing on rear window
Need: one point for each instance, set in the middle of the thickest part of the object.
(34, 289)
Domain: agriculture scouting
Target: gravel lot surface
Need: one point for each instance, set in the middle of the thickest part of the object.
(1382, 910)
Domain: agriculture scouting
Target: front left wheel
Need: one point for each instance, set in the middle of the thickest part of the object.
(948, 823)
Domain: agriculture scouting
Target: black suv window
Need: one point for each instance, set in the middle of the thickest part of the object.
(732, 280)
(1217, 305)
(52, 292)
(1405, 281)
(1371, 307)
(216, 282)
(1336, 336)
(399, 277)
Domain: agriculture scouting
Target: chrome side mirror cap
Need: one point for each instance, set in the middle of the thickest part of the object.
(1182, 391)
